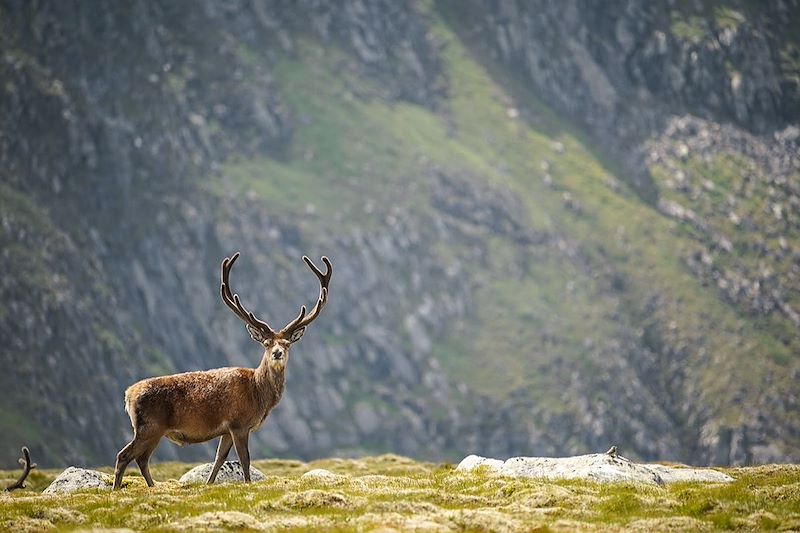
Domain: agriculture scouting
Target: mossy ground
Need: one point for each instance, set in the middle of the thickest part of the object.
(391, 492)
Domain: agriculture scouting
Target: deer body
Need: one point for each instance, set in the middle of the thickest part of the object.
(228, 403)
(219, 400)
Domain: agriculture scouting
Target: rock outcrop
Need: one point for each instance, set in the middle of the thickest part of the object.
(593, 467)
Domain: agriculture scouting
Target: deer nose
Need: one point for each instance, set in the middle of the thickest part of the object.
(277, 354)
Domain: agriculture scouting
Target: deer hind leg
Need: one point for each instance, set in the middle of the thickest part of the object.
(225, 443)
(240, 442)
(134, 449)
(143, 460)
(124, 457)
(127, 454)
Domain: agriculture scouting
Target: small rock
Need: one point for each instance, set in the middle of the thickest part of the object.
(321, 473)
(672, 474)
(229, 472)
(471, 462)
(74, 478)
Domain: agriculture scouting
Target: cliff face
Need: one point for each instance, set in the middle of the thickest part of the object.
(489, 294)
(734, 62)
(624, 69)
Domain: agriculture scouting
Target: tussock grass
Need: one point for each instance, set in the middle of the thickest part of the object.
(389, 492)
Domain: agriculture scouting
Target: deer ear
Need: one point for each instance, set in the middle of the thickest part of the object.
(255, 334)
(297, 334)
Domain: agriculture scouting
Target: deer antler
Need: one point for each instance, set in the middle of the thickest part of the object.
(27, 466)
(254, 325)
(324, 279)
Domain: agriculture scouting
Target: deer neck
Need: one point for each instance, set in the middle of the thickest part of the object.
(269, 382)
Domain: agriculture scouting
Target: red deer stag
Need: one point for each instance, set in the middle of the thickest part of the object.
(229, 403)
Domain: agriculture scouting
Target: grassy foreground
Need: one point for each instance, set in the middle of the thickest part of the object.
(395, 493)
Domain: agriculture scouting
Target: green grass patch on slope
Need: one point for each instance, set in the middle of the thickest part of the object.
(343, 162)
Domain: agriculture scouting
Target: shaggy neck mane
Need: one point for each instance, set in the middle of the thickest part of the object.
(269, 382)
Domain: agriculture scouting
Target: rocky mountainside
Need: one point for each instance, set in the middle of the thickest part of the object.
(553, 227)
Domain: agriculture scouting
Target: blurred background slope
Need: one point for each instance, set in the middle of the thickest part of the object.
(556, 226)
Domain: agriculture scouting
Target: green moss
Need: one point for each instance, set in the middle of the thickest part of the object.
(728, 17)
(284, 188)
(790, 61)
(109, 339)
(687, 27)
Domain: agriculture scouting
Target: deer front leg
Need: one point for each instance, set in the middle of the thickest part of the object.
(225, 443)
(240, 439)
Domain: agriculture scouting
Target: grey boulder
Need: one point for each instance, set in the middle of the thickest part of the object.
(74, 478)
(229, 472)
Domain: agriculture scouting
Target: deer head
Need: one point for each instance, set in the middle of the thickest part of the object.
(276, 344)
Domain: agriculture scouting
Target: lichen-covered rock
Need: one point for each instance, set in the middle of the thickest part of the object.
(229, 472)
(321, 477)
(321, 474)
(594, 467)
(471, 462)
(74, 478)
(677, 474)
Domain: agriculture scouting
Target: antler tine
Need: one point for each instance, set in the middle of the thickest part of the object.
(324, 280)
(225, 289)
(233, 301)
(27, 466)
